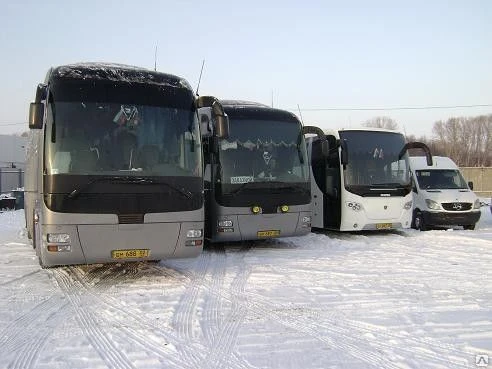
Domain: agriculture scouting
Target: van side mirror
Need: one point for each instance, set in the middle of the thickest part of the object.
(36, 115)
(470, 184)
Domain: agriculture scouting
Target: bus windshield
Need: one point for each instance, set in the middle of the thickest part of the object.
(263, 151)
(373, 160)
(440, 179)
(87, 137)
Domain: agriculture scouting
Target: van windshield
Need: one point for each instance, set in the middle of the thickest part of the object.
(441, 179)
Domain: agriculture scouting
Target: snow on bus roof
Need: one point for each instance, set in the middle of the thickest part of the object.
(118, 72)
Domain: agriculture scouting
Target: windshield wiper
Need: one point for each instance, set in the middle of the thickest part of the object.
(269, 185)
(242, 187)
(128, 180)
(390, 186)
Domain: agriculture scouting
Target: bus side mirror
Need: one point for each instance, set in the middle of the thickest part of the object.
(222, 126)
(470, 184)
(417, 145)
(324, 148)
(36, 115)
(344, 152)
(320, 134)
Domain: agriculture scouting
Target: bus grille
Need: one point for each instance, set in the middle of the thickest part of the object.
(456, 206)
(130, 218)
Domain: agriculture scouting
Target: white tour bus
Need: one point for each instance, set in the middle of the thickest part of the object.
(361, 181)
(114, 166)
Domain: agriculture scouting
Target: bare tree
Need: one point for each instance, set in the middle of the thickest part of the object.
(382, 122)
(466, 140)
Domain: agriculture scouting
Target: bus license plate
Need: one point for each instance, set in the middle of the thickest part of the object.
(130, 253)
(384, 225)
(270, 233)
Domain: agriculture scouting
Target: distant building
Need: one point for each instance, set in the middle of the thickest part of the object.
(12, 162)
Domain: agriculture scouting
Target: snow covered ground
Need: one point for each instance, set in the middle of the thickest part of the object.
(389, 300)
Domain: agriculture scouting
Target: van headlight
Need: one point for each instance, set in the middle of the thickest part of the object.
(431, 204)
(476, 205)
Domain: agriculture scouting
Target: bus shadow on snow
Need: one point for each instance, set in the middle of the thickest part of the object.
(351, 235)
(127, 272)
(244, 246)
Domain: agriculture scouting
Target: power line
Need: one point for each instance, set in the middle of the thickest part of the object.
(399, 108)
(12, 124)
(430, 107)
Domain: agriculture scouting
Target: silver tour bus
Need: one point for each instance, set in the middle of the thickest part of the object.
(257, 178)
(114, 166)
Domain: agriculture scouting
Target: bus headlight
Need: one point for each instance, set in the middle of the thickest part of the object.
(193, 233)
(306, 221)
(476, 205)
(58, 238)
(408, 205)
(225, 223)
(431, 204)
(256, 209)
(354, 205)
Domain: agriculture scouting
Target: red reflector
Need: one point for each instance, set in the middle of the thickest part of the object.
(198, 242)
(53, 248)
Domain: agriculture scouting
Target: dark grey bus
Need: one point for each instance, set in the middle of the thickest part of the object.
(257, 179)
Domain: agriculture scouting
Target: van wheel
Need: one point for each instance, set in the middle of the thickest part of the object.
(419, 222)
(469, 227)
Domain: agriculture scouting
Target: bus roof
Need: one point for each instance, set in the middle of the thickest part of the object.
(253, 110)
(336, 131)
(117, 72)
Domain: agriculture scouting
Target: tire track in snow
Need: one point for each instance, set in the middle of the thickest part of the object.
(133, 325)
(136, 329)
(25, 276)
(17, 334)
(28, 354)
(224, 342)
(185, 313)
(348, 339)
(212, 307)
(101, 342)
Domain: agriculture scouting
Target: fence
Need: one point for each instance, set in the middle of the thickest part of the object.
(481, 178)
(11, 179)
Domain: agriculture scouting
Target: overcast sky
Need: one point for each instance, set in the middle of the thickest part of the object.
(311, 54)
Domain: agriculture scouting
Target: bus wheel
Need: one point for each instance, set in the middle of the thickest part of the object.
(419, 222)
